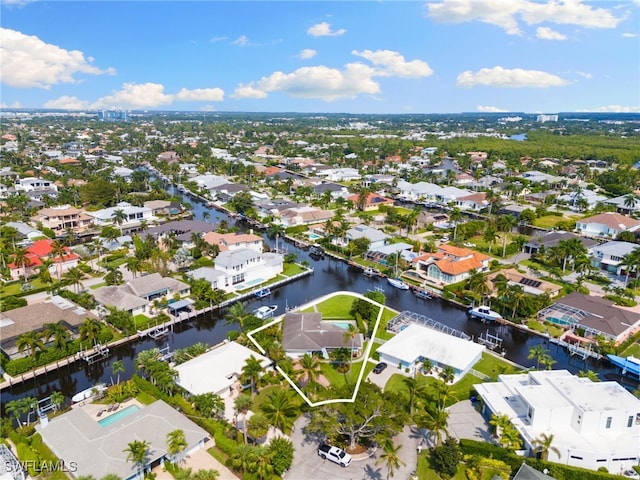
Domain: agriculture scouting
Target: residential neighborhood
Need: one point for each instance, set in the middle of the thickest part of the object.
(234, 303)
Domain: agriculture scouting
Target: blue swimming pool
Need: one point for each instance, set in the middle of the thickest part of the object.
(125, 412)
(314, 236)
(343, 325)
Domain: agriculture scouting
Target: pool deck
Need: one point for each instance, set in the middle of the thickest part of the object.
(93, 409)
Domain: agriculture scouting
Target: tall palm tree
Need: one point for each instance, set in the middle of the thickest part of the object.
(242, 404)
(59, 332)
(349, 335)
(454, 217)
(117, 367)
(21, 258)
(252, 371)
(309, 368)
(119, 217)
(391, 457)
(237, 313)
(29, 341)
(89, 330)
(631, 262)
(630, 201)
(56, 398)
(416, 389)
(516, 297)
(74, 276)
(176, 443)
(435, 420)
(58, 250)
(280, 410)
(538, 352)
(506, 224)
(137, 453)
(263, 462)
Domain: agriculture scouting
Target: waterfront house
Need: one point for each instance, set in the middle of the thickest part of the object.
(624, 204)
(607, 224)
(32, 184)
(593, 424)
(474, 202)
(609, 256)
(592, 316)
(305, 215)
(414, 344)
(234, 241)
(29, 318)
(223, 365)
(133, 216)
(307, 333)
(163, 207)
(531, 284)
(62, 217)
(376, 237)
(450, 264)
(97, 447)
(372, 202)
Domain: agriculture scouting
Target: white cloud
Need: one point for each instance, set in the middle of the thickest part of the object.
(16, 3)
(200, 95)
(629, 35)
(29, 62)
(321, 82)
(241, 41)
(152, 95)
(507, 13)
(612, 109)
(15, 104)
(392, 64)
(218, 39)
(67, 103)
(487, 108)
(306, 54)
(509, 78)
(546, 33)
(324, 30)
(248, 91)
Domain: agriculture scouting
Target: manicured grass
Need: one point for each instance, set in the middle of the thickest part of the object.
(96, 286)
(548, 221)
(291, 269)
(16, 287)
(338, 379)
(552, 330)
(493, 366)
(336, 307)
(144, 398)
(632, 351)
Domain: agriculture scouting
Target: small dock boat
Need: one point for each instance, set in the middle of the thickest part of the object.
(484, 313)
(89, 392)
(316, 251)
(630, 365)
(263, 292)
(370, 272)
(397, 283)
(418, 292)
(265, 311)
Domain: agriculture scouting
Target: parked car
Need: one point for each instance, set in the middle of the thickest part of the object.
(335, 454)
(379, 367)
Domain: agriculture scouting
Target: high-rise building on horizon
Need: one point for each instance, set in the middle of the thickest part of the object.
(113, 115)
(547, 118)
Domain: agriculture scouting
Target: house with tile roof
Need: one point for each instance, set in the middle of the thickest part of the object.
(531, 285)
(372, 202)
(61, 217)
(291, 217)
(607, 224)
(474, 202)
(234, 241)
(36, 252)
(450, 264)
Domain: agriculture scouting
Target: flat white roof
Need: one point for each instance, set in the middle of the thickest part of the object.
(216, 370)
(416, 341)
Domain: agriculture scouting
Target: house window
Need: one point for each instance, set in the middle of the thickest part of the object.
(630, 421)
(608, 425)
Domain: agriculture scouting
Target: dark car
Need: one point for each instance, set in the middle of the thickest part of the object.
(379, 367)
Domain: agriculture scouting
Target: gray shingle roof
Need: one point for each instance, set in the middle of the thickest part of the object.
(307, 331)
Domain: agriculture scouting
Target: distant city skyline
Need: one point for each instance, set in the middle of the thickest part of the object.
(437, 56)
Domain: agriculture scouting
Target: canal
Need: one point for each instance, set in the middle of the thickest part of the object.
(329, 275)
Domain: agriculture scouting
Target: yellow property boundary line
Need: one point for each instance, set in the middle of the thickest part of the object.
(364, 360)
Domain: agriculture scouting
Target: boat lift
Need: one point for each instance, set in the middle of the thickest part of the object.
(100, 352)
(491, 341)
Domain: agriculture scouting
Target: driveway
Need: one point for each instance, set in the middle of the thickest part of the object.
(381, 379)
(308, 465)
(466, 422)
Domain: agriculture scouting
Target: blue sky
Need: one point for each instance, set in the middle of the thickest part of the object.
(438, 56)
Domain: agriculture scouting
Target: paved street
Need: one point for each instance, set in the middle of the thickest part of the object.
(307, 465)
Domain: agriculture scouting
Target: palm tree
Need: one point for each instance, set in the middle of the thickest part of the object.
(630, 201)
(137, 453)
(74, 276)
(202, 474)
(435, 420)
(631, 262)
(263, 463)
(59, 332)
(58, 250)
(516, 297)
(447, 374)
(30, 341)
(506, 224)
(390, 457)
(538, 352)
(208, 403)
(543, 445)
(415, 389)
(133, 264)
(119, 217)
(21, 258)
(89, 330)
(252, 371)
(56, 399)
(13, 408)
(280, 410)
(309, 368)
(176, 443)
(244, 458)
(490, 235)
(242, 404)
(117, 367)
(454, 217)
(237, 314)
(350, 334)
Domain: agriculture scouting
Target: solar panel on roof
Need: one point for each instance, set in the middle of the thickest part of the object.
(530, 282)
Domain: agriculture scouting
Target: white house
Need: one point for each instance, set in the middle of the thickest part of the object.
(593, 424)
(609, 255)
(134, 215)
(375, 236)
(31, 184)
(607, 224)
(240, 269)
(415, 344)
(223, 364)
(122, 172)
(341, 174)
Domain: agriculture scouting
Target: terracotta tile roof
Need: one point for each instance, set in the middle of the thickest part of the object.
(462, 252)
(456, 267)
(68, 161)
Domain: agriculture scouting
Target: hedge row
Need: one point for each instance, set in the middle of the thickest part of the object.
(557, 471)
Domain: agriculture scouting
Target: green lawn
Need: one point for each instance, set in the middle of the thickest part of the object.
(552, 330)
(336, 307)
(633, 350)
(291, 269)
(548, 221)
(15, 288)
(339, 379)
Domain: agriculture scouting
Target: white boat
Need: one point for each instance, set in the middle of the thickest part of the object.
(370, 272)
(484, 313)
(89, 392)
(397, 283)
(265, 311)
(264, 292)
